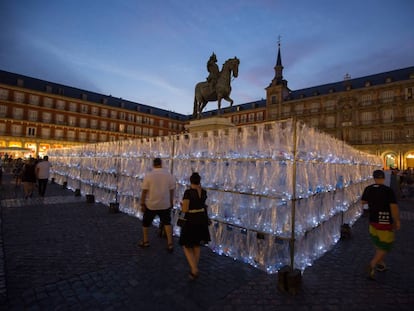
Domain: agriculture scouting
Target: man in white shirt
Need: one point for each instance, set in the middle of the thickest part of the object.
(157, 198)
(42, 174)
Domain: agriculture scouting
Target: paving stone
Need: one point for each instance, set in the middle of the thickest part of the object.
(62, 253)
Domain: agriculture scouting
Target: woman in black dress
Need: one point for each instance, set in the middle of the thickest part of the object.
(195, 230)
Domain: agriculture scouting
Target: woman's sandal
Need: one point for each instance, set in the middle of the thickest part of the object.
(143, 244)
(170, 248)
(192, 276)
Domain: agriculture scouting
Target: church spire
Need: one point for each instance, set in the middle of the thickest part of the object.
(278, 79)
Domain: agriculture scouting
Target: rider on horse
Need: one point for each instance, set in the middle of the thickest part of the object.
(213, 70)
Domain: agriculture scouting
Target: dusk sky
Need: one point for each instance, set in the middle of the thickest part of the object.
(155, 51)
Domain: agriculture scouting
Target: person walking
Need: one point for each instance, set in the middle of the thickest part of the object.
(29, 177)
(384, 219)
(157, 198)
(42, 174)
(195, 230)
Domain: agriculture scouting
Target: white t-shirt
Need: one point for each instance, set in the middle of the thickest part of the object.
(42, 169)
(158, 183)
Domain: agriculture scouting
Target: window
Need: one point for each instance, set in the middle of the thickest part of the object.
(58, 134)
(122, 115)
(103, 137)
(409, 134)
(330, 121)
(145, 131)
(104, 125)
(104, 113)
(151, 132)
(3, 111)
(409, 91)
(94, 111)
(130, 129)
(45, 132)
(93, 137)
(2, 128)
(47, 102)
(388, 136)
(299, 108)
(260, 116)
(19, 97)
(286, 110)
(409, 113)
(114, 114)
(366, 137)
(131, 117)
(366, 99)
(366, 117)
(112, 126)
(60, 119)
(329, 105)
(18, 113)
(31, 131)
(46, 117)
(274, 99)
(4, 94)
(82, 136)
(160, 132)
(314, 122)
(32, 115)
(236, 119)
(16, 130)
(34, 100)
(139, 119)
(314, 107)
(83, 122)
(94, 123)
(71, 120)
(71, 135)
(387, 96)
(243, 118)
(388, 115)
(73, 107)
(251, 117)
(121, 128)
(138, 130)
(60, 104)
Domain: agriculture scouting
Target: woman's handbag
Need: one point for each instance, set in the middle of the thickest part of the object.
(181, 219)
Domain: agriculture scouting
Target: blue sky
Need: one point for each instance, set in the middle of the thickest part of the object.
(155, 51)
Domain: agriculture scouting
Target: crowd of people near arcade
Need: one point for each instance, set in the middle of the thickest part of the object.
(32, 173)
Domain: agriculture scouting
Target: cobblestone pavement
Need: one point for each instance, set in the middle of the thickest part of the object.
(62, 253)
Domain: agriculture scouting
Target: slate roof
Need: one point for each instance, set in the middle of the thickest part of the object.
(35, 84)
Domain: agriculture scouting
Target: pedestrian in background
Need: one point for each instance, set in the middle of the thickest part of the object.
(42, 174)
(384, 219)
(157, 198)
(29, 177)
(195, 230)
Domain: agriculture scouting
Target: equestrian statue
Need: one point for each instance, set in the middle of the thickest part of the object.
(217, 86)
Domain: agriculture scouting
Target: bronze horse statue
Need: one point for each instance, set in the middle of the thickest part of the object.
(206, 92)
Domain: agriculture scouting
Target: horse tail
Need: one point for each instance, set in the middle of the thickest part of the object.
(195, 108)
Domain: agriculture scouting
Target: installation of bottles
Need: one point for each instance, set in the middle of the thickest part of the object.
(278, 192)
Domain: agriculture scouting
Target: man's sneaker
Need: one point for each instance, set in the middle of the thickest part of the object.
(381, 267)
(371, 272)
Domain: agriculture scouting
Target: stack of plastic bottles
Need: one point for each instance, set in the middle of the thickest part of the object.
(278, 192)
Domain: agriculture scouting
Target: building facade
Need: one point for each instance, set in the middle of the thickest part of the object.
(37, 115)
(374, 114)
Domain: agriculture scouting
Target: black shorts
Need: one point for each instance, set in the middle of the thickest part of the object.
(149, 215)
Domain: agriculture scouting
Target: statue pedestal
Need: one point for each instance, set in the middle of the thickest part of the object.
(207, 124)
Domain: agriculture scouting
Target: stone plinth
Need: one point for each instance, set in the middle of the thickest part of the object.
(207, 124)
